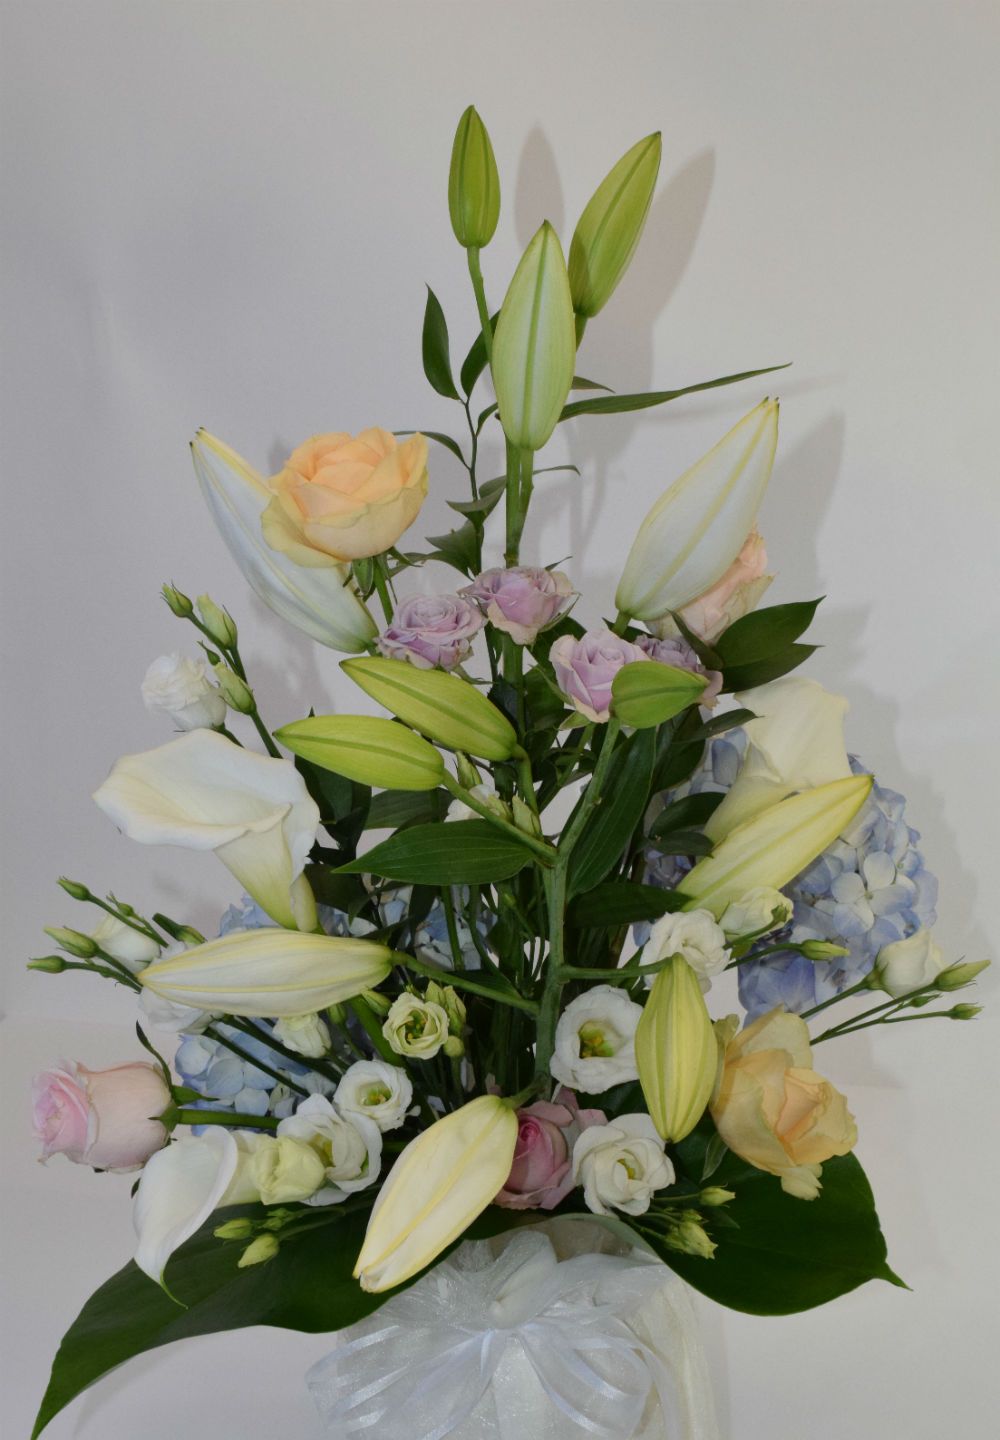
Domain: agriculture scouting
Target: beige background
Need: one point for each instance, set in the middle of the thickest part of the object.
(223, 214)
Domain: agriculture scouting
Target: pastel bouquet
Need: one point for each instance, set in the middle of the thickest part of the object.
(469, 979)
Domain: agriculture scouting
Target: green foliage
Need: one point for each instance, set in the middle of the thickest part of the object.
(463, 852)
(621, 404)
(619, 810)
(436, 349)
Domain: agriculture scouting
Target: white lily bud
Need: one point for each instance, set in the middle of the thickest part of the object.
(697, 528)
(317, 598)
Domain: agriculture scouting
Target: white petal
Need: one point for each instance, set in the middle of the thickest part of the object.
(179, 1189)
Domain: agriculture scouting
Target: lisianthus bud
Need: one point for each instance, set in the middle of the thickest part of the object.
(179, 688)
(285, 1169)
(522, 600)
(240, 1229)
(609, 228)
(534, 348)
(715, 1195)
(236, 692)
(366, 748)
(761, 909)
(72, 941)
(524, 817)
(958, 976)
(259, 1251)
(443, 707)
(908, 964)
(74, 889)
(690, 1237)
(466, 773)
(965, 1012)
(675, 1051)
(48, 964)
(473, 183)
(305, 1034)
(219, 623)
(440, 1183)
(178, 602)
(822, 950)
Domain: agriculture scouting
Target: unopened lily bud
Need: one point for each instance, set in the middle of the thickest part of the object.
(822, 950)
(48, 964)
(443, 707)
(440, 1183)
(178, 602)
(609, 228)
(234, 1230)
(524, 817)
(264, 1248)
(964, 1012)
(74, 889)
(366, 748)
(957, 976)
(716, 1195)
(72, 941)
(675, 1050)
(466, 773)
(473, 183)
(236, 692)
(534, 348)
(219, 623)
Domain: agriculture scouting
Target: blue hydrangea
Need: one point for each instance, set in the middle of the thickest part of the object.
(431, 942)
(869, 888)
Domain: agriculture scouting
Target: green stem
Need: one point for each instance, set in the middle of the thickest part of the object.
(247, 1028)
(621, 623)
(134, 922)
(512, 548)
(476, 275)
(847, 1029)
(464, 981)
(226, 1117)
(544, 851)
(834, 999)
(385, 599)
(232, 654)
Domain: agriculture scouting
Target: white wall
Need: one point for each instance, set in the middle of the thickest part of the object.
(223, 214)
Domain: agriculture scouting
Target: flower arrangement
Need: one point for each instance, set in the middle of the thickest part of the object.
(469, 983)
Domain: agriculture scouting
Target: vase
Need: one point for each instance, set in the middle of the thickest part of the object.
(555, 1332)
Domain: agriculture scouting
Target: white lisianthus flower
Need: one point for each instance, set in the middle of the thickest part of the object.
(416, 1027)
(486, 793)
(129, 947)
(350, 1147)
(909, 964)
(305, 1034)
(621, 1164)
(180, 689)
(377, 1090)
(761, 909)
(285, 1170)
(696, 937)
(204, 792)
(595, 1041)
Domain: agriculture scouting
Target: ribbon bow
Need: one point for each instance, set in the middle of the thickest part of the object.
(517, 1345)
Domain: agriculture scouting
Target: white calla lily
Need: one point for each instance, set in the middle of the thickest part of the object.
(182, 1185)
(796, 742)
(317, 598)
(697, 528)
(203, 792)
(270, 972)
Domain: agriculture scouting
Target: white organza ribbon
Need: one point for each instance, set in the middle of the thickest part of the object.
(520, 1345)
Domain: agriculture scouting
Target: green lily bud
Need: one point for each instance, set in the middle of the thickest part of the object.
(443, 707)
(676, 1051)
(609, 228)
(957, 976)
(259, 1251)
(74, 889)
(534, 348)
(822, 950)
(965, 1012)
(219, 623)
(646, 692)
(366, 748)
(178, 602)
(73, 941)
(48, 964)
(236, 692)
(234, 1230)
(473, 183)
(715, 1195)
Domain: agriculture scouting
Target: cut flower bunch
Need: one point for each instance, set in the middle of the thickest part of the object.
(468, 981)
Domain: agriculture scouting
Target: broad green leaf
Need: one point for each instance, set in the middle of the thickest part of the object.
(579, 383)
(761, 672)
(458, 548)
(343, 803)
(436, 352)
(689, 810)
(764, 633)
(490, 495)
(395, 809)
(683, 842)
(445, 440)
(484, 415)
(342, 892)
(646, 692)
(622, 902)
(619, 810)
(463, 852)
(718, 724)
(618, 404)
(475, 362)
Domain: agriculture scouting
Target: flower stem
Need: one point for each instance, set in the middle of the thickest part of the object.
(226, 1117)
(544, 851)
(479, 289)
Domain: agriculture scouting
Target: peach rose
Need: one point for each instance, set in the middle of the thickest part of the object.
(343, 497)
(772, 1109)
(737, 593)
(103, 1118)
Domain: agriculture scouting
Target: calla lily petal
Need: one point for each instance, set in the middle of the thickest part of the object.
(317, 598)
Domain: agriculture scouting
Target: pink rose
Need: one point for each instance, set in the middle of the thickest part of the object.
(431, 630)
(542, 1173)
(523, 600)
(735, 595)
(677, 652)
(103, 1118)
(586, 667)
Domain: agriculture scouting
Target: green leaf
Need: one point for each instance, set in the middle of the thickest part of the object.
(622, 902)
(445, 440)
(475, 362)
(579, 383)
(646, 692)
(436, 352)
(789, 1255)
(765, 632)
(490, 495)
(341, 892)
(395, 809)
(618, 404)
(618, 811)
(463, 852)
(458, 548)
(762, 672)
(684, 842)
(689, 810)
(484, 415)
(343, 803)
(718, 724)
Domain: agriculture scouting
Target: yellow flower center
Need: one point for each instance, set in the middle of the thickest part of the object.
(597, 1041)
(376, 1095)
